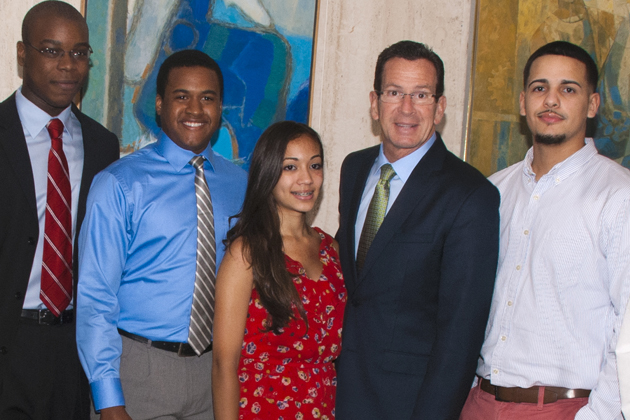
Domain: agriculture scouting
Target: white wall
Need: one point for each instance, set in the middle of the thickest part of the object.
(350, 35)
(12, 12)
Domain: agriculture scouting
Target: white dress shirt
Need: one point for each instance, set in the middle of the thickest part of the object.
(563, 279)
(34, 122)
(403, 168)
(623, 364)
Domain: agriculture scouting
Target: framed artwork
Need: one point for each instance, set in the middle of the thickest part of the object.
(506, 34)
(264, 48)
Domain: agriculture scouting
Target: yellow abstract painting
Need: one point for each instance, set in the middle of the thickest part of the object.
(507, 33)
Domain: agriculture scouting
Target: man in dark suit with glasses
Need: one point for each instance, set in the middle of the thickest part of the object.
(49, 153)
(418, 242)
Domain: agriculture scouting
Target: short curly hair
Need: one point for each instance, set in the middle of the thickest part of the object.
(187, 58)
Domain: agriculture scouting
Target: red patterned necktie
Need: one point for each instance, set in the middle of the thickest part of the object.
(56, 287)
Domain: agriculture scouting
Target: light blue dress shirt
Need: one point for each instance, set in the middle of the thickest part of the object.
(403, 168)
(138, 253)
(34, 122)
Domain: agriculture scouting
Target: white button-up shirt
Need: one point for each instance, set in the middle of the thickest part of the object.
(34, 122)
(563, 279)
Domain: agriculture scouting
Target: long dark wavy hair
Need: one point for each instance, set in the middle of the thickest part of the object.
(259, 224)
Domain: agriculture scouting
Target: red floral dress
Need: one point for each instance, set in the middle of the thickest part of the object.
(291, 375)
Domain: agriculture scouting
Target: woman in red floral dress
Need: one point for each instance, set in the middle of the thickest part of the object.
(280, 294)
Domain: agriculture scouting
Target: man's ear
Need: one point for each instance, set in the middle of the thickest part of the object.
(439, 110)
(374, 105)
(593, 104)
(521, 103)
(158, 104)
(21, 53)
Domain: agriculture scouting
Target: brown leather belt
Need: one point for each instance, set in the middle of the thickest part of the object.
(530, 395)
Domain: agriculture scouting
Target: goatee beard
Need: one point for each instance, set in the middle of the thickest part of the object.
(549, 139)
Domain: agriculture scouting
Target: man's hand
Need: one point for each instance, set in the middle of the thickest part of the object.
(115, 413)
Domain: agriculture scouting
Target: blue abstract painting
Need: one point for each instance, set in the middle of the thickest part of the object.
(264, 49)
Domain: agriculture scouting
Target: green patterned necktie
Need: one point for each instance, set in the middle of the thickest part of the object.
(375, 213)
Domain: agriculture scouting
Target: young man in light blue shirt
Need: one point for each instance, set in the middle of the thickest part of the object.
(140, 255)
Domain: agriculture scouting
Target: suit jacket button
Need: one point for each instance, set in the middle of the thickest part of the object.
(4, 350)
(355, 302)
(18, 295)
(31, 240)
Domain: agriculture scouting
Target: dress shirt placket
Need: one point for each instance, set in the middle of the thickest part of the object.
(577, 254)
(518, 255)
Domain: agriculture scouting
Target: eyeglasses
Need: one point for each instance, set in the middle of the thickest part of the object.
(80, 54)
(392, 96)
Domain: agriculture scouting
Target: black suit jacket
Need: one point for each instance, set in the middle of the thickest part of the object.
(19, 227)
(416, 314)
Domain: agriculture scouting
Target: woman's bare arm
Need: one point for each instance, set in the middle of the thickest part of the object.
(233, 291)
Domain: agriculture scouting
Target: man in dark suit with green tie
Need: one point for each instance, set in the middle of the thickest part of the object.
(418, 242)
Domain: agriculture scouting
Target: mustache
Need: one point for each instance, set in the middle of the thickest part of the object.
(550, 111)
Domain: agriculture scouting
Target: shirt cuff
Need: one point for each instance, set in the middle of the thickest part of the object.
(107, 393)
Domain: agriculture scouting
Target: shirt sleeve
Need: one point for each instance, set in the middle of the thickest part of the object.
(604, 402)
(623, 365)
(103, 245)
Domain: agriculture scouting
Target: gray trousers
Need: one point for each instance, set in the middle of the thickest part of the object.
(160, 385)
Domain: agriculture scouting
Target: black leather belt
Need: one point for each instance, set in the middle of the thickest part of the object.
(182, 349)
(45, 317)
(530, 395)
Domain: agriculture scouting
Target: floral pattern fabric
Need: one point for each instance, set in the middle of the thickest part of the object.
(290, 375)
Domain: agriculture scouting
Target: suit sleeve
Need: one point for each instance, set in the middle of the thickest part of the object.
(468, 270)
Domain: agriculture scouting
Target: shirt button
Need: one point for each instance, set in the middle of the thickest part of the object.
(503, 338)
(518, 267)
(510, 303)
(526, 232)
(495, 371)
(536, 197)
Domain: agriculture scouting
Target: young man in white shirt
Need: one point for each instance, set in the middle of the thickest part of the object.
(562, 283)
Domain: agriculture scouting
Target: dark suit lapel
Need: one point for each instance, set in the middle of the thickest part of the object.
(410, 196)
(358, 185)
(90, 156)
(89, 162)
(13, 145)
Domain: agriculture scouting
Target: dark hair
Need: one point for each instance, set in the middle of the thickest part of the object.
(409, 50)
(186, 58)
(50, 9)
(259, 224)
(565, 49)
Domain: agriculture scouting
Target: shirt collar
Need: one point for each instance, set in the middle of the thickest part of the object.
(178, 157)
(405, 166)
(564, 169)
(34, 119)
